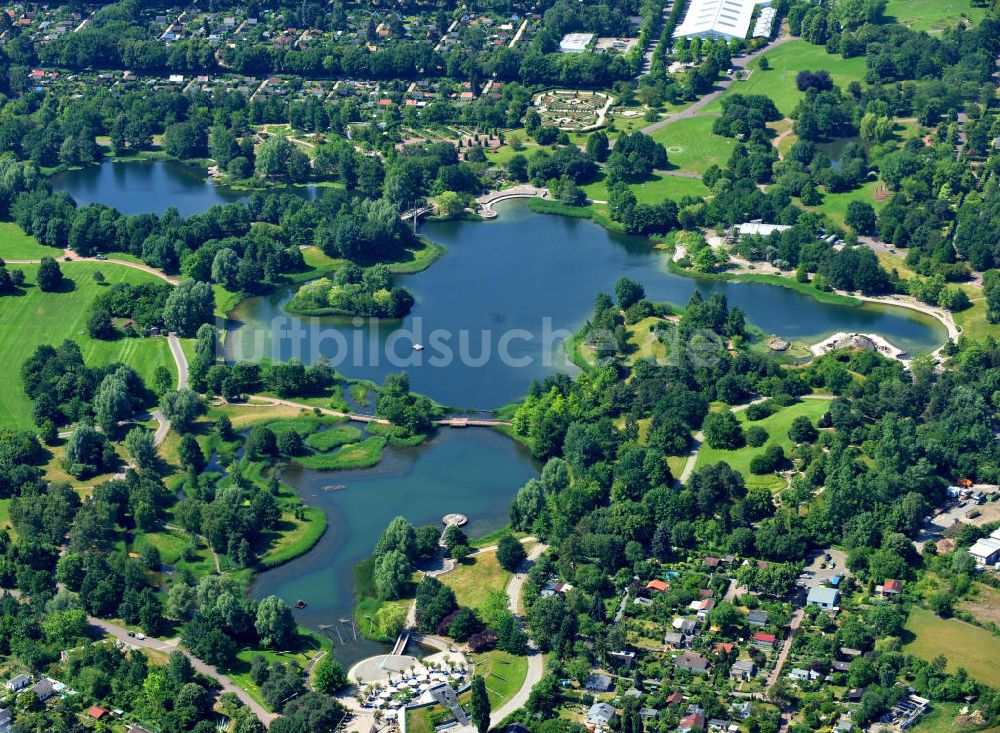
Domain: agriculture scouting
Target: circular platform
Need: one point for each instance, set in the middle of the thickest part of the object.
(454, 520)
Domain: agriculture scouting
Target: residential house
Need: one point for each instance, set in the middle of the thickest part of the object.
(644, 602)
(804, 675)
(763, 640)
(839, 666)
(600, 715)
(598, 683)
(825, 598)
(624, 658)
(691, 723)
(854, 694)
(711, 562)
(702, 607)
(18, 683)
(96, 712)
(6, 720)
(686, 626)
(724, 647)
(648, 713)
(757, 618)
(43, 690)
(847, 651)
(675, 698)
(692, 662)
(706, 593)
(743, 669)
(891, 588)
(658, 585)
(675, 640)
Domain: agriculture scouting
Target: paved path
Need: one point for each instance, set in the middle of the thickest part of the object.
(73, 257)
(695, 108)
(786, 647)
(536, 660)
(454, 422)
(484, 203)
(173, 645)
(180, 359)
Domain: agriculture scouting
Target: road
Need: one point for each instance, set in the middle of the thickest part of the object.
(536, 660)
(173, 645)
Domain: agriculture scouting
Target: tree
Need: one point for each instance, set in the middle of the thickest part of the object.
(860, 217)
(722, 430)
(764, 64)
(188, 306)
(85, 452)
(140, 447)
(181, 407)
(398, 535)
(479, 705)
(510, 553)
(274, 623)
(225, 268)
(391, 574)
(262, 443)
(112, 402)
(628, 293)
(50, 277)
(329, 676)
(99, 324)
(802, 430)
(190, 454)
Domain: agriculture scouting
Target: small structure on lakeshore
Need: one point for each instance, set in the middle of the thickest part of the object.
(455, 520)
(778, 345)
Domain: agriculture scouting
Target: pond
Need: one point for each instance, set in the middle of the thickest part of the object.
(492, 313)
(150, 187)
(473, 472)
(834, 149)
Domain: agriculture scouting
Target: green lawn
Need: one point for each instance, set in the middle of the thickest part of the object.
(692, 147)
(777, 429)
(35, 318)
(932, 15)
(16, 245)
(364, 454)
(835, 204)
(504, 674)
(962, 644)
(786, 62)
(473, 580)
(654, 190)
(333, 438)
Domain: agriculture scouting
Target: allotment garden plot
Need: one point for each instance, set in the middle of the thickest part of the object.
(573, 110)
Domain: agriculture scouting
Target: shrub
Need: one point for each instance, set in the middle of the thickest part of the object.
(756, 436)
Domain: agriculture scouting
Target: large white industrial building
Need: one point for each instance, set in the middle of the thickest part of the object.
(723, 19)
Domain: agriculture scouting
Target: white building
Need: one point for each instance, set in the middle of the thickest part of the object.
(987, 550)
(575, 42)
(765, 22)
(725, 19)
(756, 228)
(823, 597)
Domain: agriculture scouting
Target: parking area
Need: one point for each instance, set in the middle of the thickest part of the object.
(821, 570)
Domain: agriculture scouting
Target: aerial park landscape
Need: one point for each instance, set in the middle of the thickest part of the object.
(610, 366)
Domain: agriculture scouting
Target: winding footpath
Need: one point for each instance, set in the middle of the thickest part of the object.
(536, 660)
